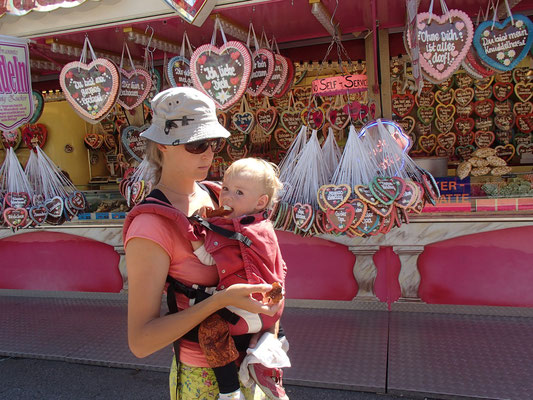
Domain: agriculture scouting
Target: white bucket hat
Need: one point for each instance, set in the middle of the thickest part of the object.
(183, 115)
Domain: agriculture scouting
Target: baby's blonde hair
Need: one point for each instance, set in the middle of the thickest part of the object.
(264, 171)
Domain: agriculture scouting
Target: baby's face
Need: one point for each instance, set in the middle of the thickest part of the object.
(243, 194)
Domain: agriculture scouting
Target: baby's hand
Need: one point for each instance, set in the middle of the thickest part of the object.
(203, 211)
(275, 295)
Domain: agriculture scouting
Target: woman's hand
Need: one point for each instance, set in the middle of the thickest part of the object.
(240, 296)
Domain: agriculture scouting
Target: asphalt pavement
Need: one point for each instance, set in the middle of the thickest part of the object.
(25, 379)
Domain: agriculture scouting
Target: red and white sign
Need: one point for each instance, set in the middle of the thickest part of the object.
(341, 84)
(16, 99)
(24, 7)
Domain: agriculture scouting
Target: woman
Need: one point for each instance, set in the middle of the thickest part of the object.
(180, 146)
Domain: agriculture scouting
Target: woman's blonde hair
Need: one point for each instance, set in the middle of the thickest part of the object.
(265, 172)
(155, 157)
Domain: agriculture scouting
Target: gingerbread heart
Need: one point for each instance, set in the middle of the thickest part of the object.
(445, 112)
(442, 152)
(370, 221)
(91, 89)
(502, 90)
(464, 139)
(17, 199)
(133, 142)
(134, 87)
(484, 138)
(365, 194)
(524, 90)
(482, 93)
(444, 126)
(237, 140)
(314, 117)
(15, 217)
(34, 135)
(463, 81)
(427, 143)
(484, 108)
(335, 196)
(484, 124)
(464, 111)
(38, 214)
(302, 215)
(445, 97)
(179, 72)
(236, 154)
(425, 114)
(338, 117)
(407, 124)
(465, 152)
(524, 149)
(524, 123)
(502, 107)
(244, 121)
(505, 121)
(464, 96)
(222, 73)
(520, 75)
(38, 106)
(11, 138)
(278, 78)
(447, 140)
(402, 104)
(425, 99)
(490, 33)
(283, 138)
(523, 108)
(444, 42)
(506, 152)
(263, 68)
(291, 120)
(267, 118)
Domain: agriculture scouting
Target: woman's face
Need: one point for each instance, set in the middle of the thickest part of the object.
(184, 164)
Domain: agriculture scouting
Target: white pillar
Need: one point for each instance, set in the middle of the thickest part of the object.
(365, 271)
(409, 276)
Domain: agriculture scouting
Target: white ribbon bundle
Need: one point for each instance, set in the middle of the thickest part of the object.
(14, 179)
(307, 175)
(47, 178)
(356, 166)
(289, 161)
(332, 153)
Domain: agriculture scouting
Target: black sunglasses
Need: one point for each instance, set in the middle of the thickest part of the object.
(201, 146)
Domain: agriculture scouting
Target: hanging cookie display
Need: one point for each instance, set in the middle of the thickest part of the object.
(178, 70)
(503, 45)
(223, 73)
(91, 89)
(444, 41)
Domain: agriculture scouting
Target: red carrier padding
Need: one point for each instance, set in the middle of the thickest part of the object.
(236, 263)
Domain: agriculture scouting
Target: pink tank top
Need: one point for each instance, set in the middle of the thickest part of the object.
(184, 266)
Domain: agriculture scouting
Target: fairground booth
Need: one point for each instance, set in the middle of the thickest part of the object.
(403, 132)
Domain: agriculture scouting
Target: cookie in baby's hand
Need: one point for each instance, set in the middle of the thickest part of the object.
(275, 295)
(218, 212)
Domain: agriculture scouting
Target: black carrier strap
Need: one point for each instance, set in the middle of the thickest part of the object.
(222, 231)
(198, 295)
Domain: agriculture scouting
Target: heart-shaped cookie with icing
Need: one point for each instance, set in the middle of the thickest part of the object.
(91, 89)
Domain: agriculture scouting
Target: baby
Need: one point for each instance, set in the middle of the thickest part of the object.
(249, 188)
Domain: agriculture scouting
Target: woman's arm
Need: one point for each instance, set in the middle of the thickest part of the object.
(147, 265)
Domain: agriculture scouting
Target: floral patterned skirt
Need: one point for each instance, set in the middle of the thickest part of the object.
(200, 383)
